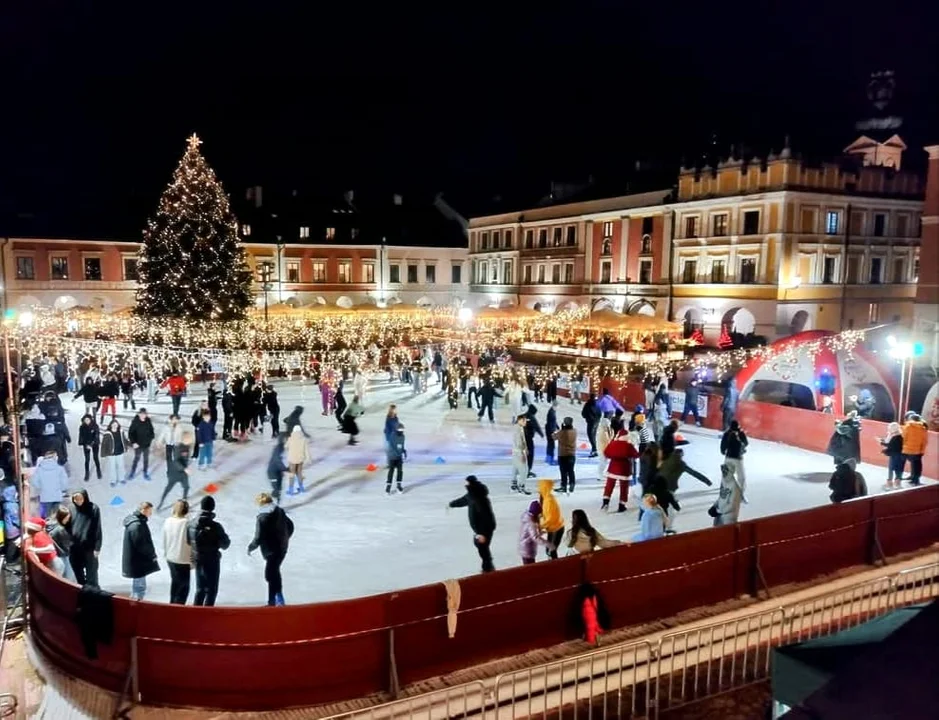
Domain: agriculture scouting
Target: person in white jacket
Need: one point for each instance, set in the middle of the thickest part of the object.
(604, 435)
(49, 483)
(520, 456)
(171, 436)
(297, 456)
(178, 552)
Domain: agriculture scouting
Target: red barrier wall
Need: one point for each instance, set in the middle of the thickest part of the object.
(270, 658)
(812, 431)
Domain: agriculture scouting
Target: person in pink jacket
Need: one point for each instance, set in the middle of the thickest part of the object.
(529, 533)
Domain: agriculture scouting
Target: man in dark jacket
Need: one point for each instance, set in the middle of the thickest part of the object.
(276, 467)
(177, 470)
(591, 415)
(89, 439)
(532, 428)
(85, 528)
(273, 408)
(139, 557)
(228, 410)
(207, 538)
(488, 394)
(692, 393)
(481, 518)
(668, 438)
(272, 534)
(733, 447)
(141, 436)
(293, 419)
(550, 427)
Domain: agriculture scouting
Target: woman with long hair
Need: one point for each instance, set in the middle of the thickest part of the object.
(583, 537)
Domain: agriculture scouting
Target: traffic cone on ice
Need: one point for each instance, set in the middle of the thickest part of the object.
(371, 467)
(210, 489)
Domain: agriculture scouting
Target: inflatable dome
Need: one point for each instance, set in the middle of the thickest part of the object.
(794, 377)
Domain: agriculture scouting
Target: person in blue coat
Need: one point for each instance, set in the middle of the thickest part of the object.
(653, 522)
(205, 440)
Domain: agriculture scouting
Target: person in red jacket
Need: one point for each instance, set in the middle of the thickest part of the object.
(621, 454)
(176, 384)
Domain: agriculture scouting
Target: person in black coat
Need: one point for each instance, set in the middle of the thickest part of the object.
(212, 400)
(532, 428)
(127, 390)
(177, 469)
(276, 467)
(341, 403)
(481, 518)
(591, 415)
(272, 533)
(89, 439)
(293, 419)
(141, 435)
(107, 394)
(273, 408)
(845, 442)
(88, 392)
(668, 438)
(139, 557)
(488, 394)
(207, 538)
(85, 529)
(551, 427)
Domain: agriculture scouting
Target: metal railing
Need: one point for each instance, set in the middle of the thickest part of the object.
(642, 679)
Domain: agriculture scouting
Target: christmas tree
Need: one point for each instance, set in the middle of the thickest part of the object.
(191, 264)
(725, 341)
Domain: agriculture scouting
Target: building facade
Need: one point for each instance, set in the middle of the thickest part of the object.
(62, 273)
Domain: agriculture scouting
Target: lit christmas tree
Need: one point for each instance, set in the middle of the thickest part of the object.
(725, 341)
(191, 264)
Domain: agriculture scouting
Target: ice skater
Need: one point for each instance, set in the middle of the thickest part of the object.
(397, 452)
(482, 520)
(277, 466)
(567, 454)
(207, 538)
(552, 519)
(297, 456)
(621, 453)
(519, 456)
(114, 444)
(177, 471)
(488, 394)
(272, 533)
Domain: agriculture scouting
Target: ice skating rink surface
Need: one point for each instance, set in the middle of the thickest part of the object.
(352, 540)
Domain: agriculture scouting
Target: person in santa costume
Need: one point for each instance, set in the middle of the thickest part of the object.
(40, 545)
(621, 453)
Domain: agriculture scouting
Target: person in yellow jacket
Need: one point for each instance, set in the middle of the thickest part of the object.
(915, 437)
(552, 520)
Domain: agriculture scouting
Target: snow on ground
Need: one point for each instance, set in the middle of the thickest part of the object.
(352, 540)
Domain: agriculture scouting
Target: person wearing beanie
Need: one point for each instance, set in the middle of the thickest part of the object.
(482, 520)
(529, 533)
(550, 428)
(207, 538)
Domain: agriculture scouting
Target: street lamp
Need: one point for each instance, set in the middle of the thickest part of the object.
(904, 352)
(266, 268)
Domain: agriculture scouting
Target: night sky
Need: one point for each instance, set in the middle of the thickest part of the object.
(473, 99)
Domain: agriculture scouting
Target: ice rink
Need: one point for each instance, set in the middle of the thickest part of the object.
(353, 540)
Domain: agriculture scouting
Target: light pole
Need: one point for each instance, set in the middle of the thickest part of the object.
(266, 268)
(904, 352)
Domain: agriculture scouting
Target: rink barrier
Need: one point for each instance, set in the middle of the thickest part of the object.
(251, 658)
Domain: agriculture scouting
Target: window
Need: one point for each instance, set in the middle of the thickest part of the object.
(529, 239)
(354, 233)
(556, 274)
(647, 223)
(92, 268)
(430, 274)
(304, 232)
(571, 236)
(689, 272)
(606, 271)
(873, 313)
(541, 274)
(345, 271)
(542, 238)
(394, 273)
(507, 273)
(484, 241)
(495, 240)
(607, 247)
(608, 229)
(828, 271)
(319, 271)
(645, 272)
(748, 271)
(645, 245)
(691, 227)
(130, 268)
(507, 239)
(880, 224)
(751, 222)
(854, 266)
(899, 276)
(483, 273)
(568, 273)
(330, 233)
(857, 222)
(368, 272)
(916, 269)
(903, 225)
(246, 230)
(412, 273)
(264, 266)
(557, 237)
(876, 270)
(26, 268)
(528, 274)
(717, 271)
(807, 221)
(59, 268)
(719, 222)
(456, 274)
(293, 271)
(832, 222)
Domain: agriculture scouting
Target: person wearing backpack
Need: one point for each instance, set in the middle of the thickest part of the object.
(207, 538)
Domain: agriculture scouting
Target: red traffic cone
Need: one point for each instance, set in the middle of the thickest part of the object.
(210, 488)
(371, 467)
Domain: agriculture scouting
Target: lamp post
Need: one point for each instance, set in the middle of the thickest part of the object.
(266, 268)
(904, 352)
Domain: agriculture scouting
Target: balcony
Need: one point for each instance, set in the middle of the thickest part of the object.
(552, 251)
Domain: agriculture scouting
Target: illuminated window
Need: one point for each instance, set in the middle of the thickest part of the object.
(92, 268)
(717, 271)
(606, 271)
(719, 222)
(368, 273)
(608, 229)
(832, 222)
(430, 274)
(645, 245)
(293, 271)
(319, 272)
(304, 232)
(331, 233)
(246, 230)
(59, 268)
(345, 271)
